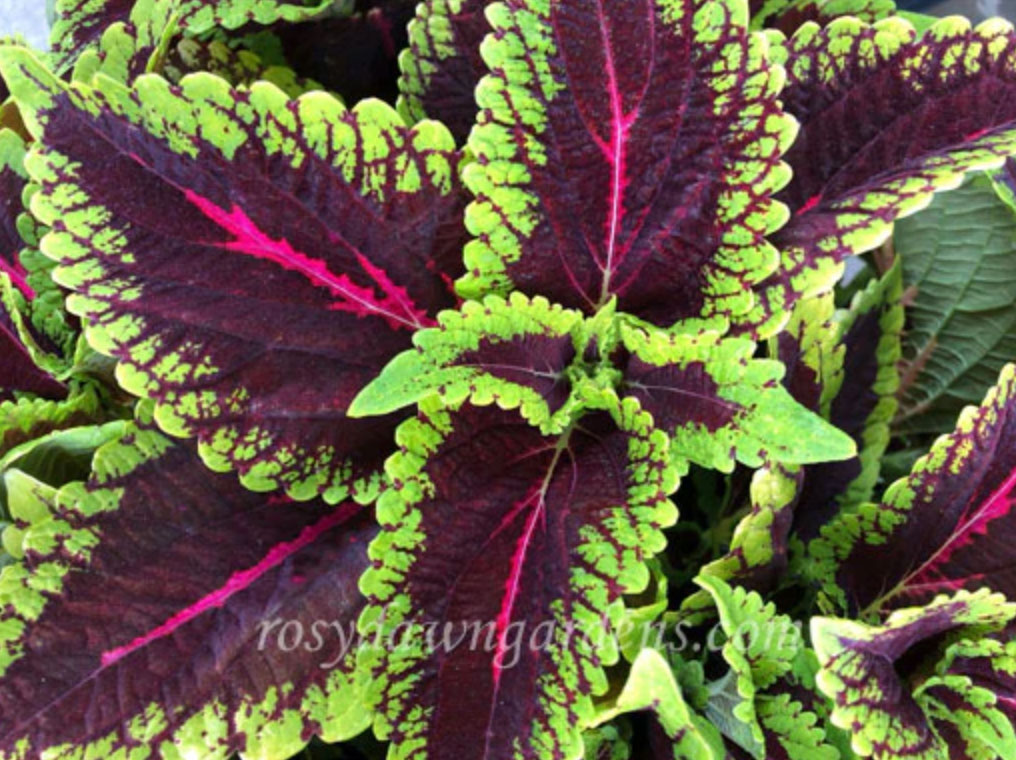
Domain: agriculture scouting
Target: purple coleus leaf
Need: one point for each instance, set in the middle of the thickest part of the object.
(499, 570)
(905, 690)
(13, 179)
(644, 166)
(250, 260)
(719, 405)
(887, 119)
(18, 370)
(944, 527)
(33, 302)
(442, 66)
(854, 369)
(79, 24)
(516, 351)
(162, 610)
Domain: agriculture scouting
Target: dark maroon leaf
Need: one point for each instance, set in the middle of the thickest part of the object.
(887, 119)
(356, 56)
(443, 65)
(947, 526)
(251, 286)
(893, 689)
(645, 162)
(859, 399)
(13, 179)
(18, 372)
(524, 541)
(165, 607)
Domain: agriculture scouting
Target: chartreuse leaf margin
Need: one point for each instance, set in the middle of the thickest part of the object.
(200, 368)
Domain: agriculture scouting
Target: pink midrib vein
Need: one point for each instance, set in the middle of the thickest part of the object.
(616, 154)
(396, 306)
(237, 582)
(17, 276)
(536, 501)
(998, 505)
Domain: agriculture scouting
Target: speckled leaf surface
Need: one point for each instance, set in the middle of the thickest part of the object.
(645, 163)
(887, 118)
(442, 65)
(146, 616)
(251, 260)
(944, 527)
(514, 547)
(79, 24)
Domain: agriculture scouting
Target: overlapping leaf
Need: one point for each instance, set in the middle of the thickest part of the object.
(901, 693)
(760, 648)
(719, 404)
(757, 556)
(764, 707)
(28, 418)
(677, 731)
(33, 303)
(789, 15)
(251, 261)
(516, 351)
(127, 49)
(63, 450)
(512, 548)
(13, 179)
(887, 119)
(18, 370)
(626, 150)
(442, 65)
(79, 24)
(355, 56)
(944, 527)
(858, 397)
(236, 64)
(164, 611)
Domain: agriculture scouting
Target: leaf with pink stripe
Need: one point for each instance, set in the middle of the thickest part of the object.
(252, 261)
(645, 162)
(502, 557)
(947, 526)
(13, 179)
(165, 611)
(888, 118)
(18, 369)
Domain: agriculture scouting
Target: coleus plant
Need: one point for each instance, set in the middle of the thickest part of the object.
(524, 414)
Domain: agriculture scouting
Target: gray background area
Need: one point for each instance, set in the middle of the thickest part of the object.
(25, 17)
(28, 17)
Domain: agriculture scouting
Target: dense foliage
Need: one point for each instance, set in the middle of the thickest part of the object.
(481, 380)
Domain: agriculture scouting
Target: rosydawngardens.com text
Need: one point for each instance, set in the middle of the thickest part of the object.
(337, 641)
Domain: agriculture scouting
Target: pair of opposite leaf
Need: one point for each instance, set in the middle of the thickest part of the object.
(336, 234)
